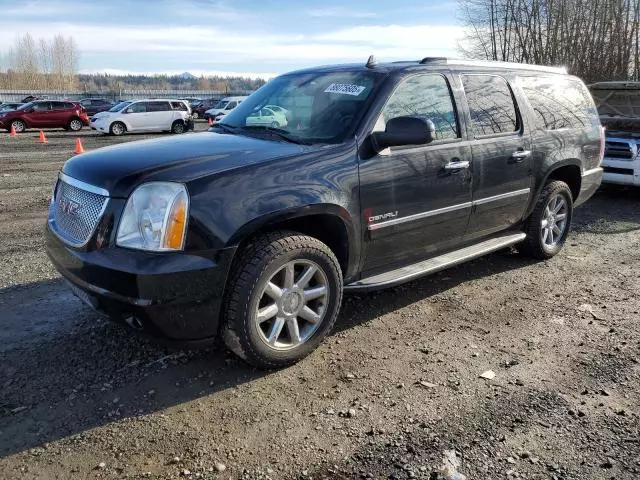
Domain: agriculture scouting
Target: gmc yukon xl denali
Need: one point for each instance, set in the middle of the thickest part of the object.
(383, 173)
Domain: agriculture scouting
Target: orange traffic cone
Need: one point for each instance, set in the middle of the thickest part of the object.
(210, 121)
(13, 131)
(79, 147)
(43, 139)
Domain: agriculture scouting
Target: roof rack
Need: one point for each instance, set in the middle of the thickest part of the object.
(490, 63)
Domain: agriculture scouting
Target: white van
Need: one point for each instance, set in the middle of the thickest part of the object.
(223, 107)
(153, 115)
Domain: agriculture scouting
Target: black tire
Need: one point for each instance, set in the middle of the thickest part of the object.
(178, 127)
(19, 126)
(117, 129)
(256, 265)
(275, 124)
(534, 245)
(75, 125)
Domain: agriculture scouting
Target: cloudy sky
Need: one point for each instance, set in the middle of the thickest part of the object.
(259, 37)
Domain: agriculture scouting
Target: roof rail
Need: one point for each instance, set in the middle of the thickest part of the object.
(491, 63)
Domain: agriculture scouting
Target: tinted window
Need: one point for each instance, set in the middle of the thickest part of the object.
(41, 106)
(58, 105)
(138, 107)
(559, 102)
(85, 103)
(426, 97)
(158, 106)
(490, 104)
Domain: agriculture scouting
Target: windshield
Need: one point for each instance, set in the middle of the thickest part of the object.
(221, 104)
(318, 107)
(119, 106)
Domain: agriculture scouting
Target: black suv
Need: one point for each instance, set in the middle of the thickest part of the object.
(96, 105)
(380, 174)
(198, 109)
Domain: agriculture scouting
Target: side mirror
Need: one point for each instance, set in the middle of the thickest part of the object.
(405, 131)
(128, 110)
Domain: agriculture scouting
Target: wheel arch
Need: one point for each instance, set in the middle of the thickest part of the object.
(329, 223)
(568, 171)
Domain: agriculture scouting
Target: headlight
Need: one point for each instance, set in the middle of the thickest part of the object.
(155, 217)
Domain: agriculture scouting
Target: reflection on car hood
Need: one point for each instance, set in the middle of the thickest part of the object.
(120, 168)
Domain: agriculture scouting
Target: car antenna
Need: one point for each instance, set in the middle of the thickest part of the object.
(371, 62)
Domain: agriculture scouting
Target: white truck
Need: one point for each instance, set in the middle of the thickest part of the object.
(619, 109)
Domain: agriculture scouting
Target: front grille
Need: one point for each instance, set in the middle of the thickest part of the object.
(76, 212)
(622, 150)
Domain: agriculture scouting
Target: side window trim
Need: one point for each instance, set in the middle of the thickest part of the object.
(519, 118)
(454, 105)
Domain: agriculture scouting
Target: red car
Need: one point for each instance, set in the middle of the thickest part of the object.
(45, 114)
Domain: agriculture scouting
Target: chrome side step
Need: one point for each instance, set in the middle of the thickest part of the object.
(426, 267)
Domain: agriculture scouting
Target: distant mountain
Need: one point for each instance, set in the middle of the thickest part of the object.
(186, 76)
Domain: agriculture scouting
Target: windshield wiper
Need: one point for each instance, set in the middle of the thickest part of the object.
(279, 132)
(226, 128)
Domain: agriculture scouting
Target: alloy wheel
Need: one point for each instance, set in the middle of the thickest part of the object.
(292, 305)
(554, 221)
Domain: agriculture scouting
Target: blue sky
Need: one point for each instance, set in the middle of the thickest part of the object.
(258, 38)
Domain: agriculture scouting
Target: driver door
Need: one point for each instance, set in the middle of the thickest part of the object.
(416, 200)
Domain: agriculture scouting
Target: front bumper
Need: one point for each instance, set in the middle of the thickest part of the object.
(172, 295)
(591, 180)
(621, 172)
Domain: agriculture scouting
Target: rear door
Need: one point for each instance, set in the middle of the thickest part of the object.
(160, 115)
(60, 114)
(501, 149)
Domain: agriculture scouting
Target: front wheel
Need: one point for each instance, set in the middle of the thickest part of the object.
(283, 298)
(19, 126)
(548, 226)
(117, 129)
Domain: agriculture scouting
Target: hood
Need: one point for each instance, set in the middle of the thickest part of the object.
(121, 168)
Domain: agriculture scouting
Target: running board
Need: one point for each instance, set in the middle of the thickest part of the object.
(426, 267)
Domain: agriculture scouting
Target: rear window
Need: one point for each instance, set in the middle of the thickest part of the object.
(157, 106)
(491, 105)
(179, 106)
(559, 102)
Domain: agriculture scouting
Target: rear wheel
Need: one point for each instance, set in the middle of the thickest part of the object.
(275, 124)
(75, 125)
(548, 226)
(117, 129)
(178, 127)
(283, 298)
(19, 126)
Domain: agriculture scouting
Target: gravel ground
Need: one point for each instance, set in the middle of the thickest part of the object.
(395, 386)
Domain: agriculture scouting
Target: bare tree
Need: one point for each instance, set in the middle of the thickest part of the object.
(595, 39)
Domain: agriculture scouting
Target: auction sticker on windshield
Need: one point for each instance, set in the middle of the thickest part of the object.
(345, 89)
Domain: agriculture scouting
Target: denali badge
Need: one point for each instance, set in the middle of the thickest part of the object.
(68, 206)
(384, 216)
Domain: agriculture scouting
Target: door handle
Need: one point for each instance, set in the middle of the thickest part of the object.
(520, 155)
(457, 165)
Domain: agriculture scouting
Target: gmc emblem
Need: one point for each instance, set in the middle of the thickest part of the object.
(68, 206)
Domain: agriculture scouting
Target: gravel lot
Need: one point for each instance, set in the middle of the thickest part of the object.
(395, 386)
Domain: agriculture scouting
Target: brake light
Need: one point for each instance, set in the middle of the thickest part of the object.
(602, 144)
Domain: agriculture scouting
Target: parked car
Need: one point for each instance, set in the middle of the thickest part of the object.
(191, 100)
(7, 107)
(388, 172)
(45, 114)
(159, 115)
(198, 109)
(619, 108)
(96, 105)
(223, 107)
(267, 116)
